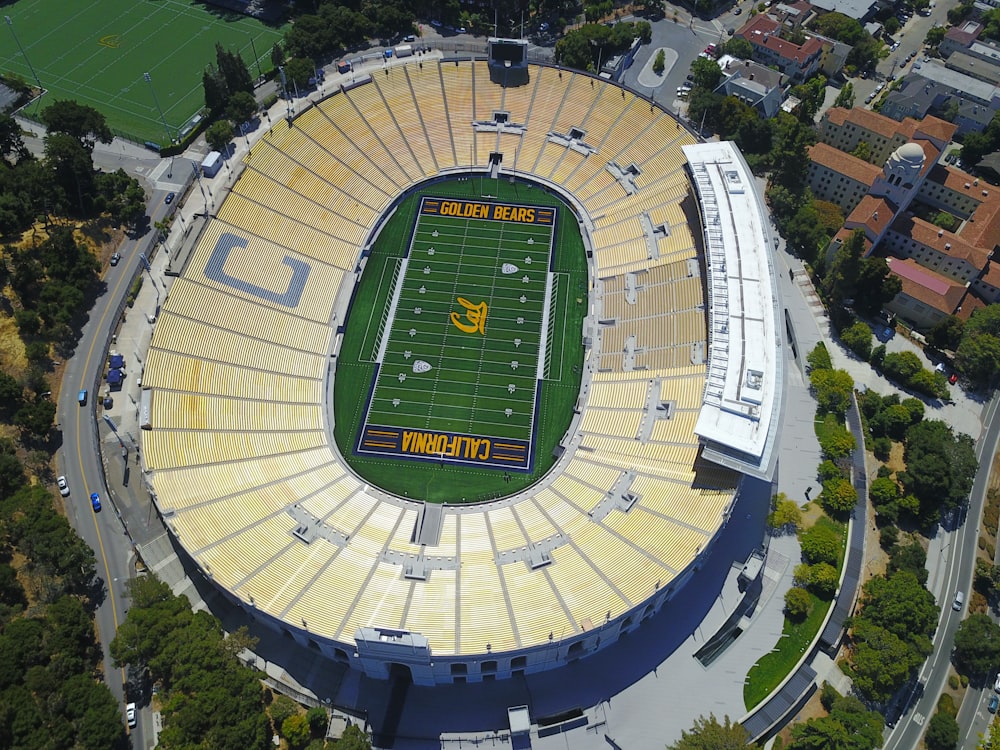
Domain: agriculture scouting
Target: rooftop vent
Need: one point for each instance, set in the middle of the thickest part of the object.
(947, 246)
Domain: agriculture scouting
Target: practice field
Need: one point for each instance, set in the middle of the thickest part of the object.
(460, 401)
(97, 52)
(461, 342)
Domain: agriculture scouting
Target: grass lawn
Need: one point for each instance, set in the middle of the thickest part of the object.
(97, 53)
(467, 389)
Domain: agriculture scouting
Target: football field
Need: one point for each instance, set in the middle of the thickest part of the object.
(462, 339)
(98, 52)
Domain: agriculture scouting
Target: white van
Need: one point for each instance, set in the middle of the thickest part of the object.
(959, 601)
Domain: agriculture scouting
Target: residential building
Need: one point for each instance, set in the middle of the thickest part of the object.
(959, 37)
(751, 82)
(797, 61)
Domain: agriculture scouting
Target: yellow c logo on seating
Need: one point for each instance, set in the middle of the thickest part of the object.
(111, 40)
(476, 314)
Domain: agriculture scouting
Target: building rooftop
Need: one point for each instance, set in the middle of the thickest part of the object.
(945, 243)
(931, 288)
(738, 418)
(960, 82)
(975, 66)
(844, 163)
(763, 76)
(765, 31)
(964, 33)
(874, 214)
(856, 9)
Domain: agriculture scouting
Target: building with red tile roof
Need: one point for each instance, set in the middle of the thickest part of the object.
(797, 61)
(895, 195)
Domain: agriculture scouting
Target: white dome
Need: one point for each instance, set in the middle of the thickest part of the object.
(910, 152)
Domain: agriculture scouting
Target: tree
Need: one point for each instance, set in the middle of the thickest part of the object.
(354, 739)
(942, 732)
(832, 389)
(659, 62)
(241, 108)
(71, 166)
(739, 47)
(277, 54)
(299, 71)
(946, 333)
(934, 36)
(910, 557)
(819, 358)
(797, 603)
(295, 729)
(233, 70)
(218, 135)
(900, 604)
(978, 353)
(838, 496)
(875, 286)
(282, 708)
(707, 73)
(836, 441)
(318, 720)
(786, 515)
(821, 544)
(858, 338)
(35, 418)
(882, 661)
(977, 646)
(80, 121)
(849, 726)
(883, 491)
(709, 734)
(940, 466)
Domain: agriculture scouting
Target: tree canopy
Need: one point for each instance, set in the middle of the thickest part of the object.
(79, 121)
(977, 646)
(710, 734)
(848, 726)
(940, 465)
(209, 697)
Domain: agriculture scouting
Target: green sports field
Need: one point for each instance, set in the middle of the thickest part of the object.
(97, 52)
(462, 353)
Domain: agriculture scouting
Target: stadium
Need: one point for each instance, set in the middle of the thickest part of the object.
(302, 506)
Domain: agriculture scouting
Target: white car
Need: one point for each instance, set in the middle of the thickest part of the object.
(996, 685)
(63, 486)
(130, 714)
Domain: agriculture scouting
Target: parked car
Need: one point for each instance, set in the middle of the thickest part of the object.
(95, 502)
(130, 714)
(115, 258)
(63, 486)
(994, 703)
(996, 685)
(170, 198)
(737, 10)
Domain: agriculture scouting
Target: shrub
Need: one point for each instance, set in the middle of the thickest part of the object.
(953, 682)
(819, 358)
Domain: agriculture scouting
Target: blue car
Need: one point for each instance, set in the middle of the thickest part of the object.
(994, 703)
(95, 501)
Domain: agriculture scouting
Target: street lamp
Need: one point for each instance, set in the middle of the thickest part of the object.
(31, 67)
(156, 101)
(260, 74)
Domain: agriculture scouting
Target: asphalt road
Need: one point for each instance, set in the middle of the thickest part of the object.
(81, 456)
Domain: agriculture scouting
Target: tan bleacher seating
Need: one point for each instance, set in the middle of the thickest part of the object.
(239, 428)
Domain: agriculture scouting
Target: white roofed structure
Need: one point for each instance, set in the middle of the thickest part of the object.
(738, 420)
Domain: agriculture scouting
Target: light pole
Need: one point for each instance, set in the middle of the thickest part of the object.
(31, 67)
(260, 74)
(156, 101)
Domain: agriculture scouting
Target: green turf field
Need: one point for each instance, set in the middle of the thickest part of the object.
(463, 393)
(462, 336)
(97, 52)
